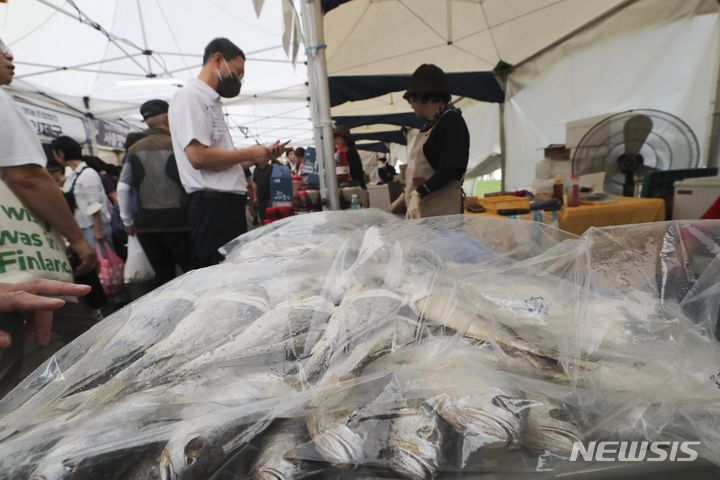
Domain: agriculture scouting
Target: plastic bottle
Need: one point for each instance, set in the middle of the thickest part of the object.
(558, 188)
(574, 197)
(354, 202)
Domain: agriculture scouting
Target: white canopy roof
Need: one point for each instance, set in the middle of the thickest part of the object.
(370, 37)
(572, 59)
(121, 53)
(72, 49)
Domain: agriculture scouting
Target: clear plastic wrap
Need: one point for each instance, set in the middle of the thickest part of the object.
(354, 345)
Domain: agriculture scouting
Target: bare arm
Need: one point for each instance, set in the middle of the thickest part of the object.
(251, 191)
(218, 159)
(37, 190)
(98, 226)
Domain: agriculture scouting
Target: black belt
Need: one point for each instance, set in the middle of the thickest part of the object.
(209, 194)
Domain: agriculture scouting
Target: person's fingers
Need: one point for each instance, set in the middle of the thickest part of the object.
(27, 302)
(276, 148)
(42, 326)
(5, 339)
(54, 287)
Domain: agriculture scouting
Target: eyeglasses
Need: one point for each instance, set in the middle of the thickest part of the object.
(5, 50)
(233, 73)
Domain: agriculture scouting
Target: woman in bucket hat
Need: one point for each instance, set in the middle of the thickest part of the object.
(439, 156)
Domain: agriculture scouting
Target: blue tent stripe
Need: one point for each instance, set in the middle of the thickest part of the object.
(481, 86)
(401, 119)
(392, 136)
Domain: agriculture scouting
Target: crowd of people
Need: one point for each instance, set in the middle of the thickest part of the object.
(183, 187)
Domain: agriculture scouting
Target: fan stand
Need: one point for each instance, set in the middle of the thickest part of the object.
(629, 164)
(629, 185)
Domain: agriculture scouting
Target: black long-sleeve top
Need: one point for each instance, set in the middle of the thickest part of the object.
(356, 168)
(447, 150)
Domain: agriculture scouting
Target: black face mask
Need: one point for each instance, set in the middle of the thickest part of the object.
(228, 87)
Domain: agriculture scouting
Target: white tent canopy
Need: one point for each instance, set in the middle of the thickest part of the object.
(573, 59)
(368, 37)
(121, 53)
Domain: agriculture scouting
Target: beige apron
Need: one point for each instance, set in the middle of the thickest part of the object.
(447, 200)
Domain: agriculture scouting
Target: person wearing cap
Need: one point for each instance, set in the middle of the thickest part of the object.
(211, 169)
(22, 171)
(161, 223)
(438, 158)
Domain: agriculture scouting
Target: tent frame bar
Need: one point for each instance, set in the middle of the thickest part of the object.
(713, 159)
(314, 40)
(96, 26)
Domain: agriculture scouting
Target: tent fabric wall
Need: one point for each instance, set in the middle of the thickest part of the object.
(483, 121)
(655, 54)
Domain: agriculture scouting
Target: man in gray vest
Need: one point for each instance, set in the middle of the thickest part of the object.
(162, 217)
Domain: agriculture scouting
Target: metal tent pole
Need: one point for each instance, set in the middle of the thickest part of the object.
(714, 149)
(91, 127)
(320, 97)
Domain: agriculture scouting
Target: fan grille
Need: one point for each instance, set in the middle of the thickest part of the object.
(670, 145)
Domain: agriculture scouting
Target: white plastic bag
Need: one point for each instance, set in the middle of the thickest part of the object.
(137, 266)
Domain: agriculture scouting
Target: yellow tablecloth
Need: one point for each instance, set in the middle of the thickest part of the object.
(625, 210)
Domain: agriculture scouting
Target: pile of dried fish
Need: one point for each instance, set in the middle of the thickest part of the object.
(354, 345)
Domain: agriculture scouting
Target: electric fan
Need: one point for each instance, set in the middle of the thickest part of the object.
(630, 144)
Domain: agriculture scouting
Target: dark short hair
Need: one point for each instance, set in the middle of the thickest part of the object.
(227, 48)
(96, 163)
(300, 152)
(70, 148)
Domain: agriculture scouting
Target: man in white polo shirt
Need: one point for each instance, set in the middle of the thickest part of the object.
(211, 169)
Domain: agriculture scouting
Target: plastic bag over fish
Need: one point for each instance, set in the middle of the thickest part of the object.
(355, 345)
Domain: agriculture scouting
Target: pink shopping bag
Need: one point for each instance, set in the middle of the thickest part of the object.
(111, 269)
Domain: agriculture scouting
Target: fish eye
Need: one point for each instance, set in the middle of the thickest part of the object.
(193, 449)
(427, 433)
(70, 464)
